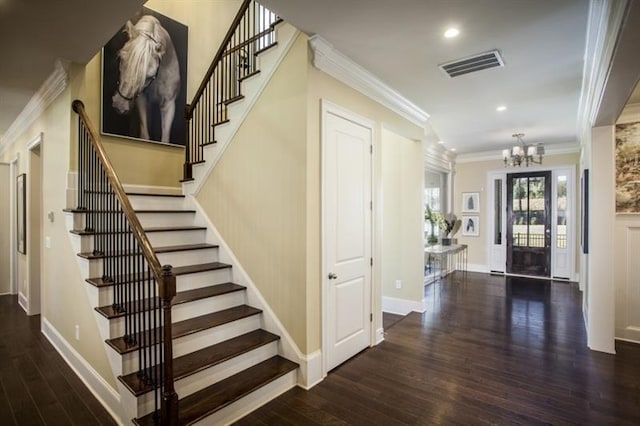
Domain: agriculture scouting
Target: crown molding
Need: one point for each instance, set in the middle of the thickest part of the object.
(555, 149)
(604, 23)
(331, 61)
(55, 84)
(438, 158)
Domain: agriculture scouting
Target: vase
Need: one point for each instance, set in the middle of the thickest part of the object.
(446, 241)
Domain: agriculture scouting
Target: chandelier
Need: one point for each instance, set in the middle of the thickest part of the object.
(522, 153)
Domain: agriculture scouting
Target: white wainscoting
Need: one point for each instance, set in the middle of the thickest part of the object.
(627, 277)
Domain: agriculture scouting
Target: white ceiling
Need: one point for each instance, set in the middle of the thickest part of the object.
(34, 33)
(542, 43)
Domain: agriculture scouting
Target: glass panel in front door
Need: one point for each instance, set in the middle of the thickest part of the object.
(529, 227)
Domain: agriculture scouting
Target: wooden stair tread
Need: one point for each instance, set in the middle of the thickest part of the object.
(151, 229)
(219, 123)
(182, 297)
(233, 99)
(192, 325)
(147, 194)
(264, 49)
(219, 395)
(197, 361)
(179, 270)
(247, 76)
(164, 249)
(144, 211)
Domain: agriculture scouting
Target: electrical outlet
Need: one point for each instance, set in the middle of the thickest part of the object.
(398, 283)
(77, 332)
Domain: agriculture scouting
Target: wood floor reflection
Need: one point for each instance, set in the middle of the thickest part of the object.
(489, 350)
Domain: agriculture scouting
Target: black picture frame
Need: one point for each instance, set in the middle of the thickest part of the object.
(127, 125)
(21, 213)
(584, 210)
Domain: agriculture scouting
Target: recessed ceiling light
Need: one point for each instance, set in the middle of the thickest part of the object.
(441, 142)
(451, 33)
(453, 149)
(501, 108)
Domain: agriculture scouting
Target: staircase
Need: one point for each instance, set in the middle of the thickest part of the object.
(182, 339)
(224, 362)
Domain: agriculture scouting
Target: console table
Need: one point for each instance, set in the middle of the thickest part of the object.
(453, 257)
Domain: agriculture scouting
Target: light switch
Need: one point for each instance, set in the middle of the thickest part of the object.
(47, 242)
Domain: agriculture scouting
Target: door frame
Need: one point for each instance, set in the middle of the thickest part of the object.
(13, 246)
(326, 108)
(572, 212)
(34, 292)
(548, 175)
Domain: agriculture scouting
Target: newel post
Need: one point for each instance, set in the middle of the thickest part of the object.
(187, 171)
(169, 406)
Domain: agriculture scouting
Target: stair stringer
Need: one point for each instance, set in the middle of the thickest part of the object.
(310, 370)
(237, 112)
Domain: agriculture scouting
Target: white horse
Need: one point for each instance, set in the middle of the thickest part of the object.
(149, 74)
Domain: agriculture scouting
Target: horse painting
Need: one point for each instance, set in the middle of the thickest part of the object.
(149, 75)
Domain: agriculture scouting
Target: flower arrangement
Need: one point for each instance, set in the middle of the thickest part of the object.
(448, 224)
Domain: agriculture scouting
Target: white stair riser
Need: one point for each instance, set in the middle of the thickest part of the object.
(199, 340)
(183, 283)
(214, 374)
(148, 220)
(141, 202)
(203, 279)
(180, 312)
(188, 257)
(176, 238)
(251, 402)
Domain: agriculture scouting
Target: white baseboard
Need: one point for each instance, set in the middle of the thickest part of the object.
(473, 267)
(23, 302)
(104, 393)
(637, 342)
(6, 294)
(314, 370)
(393, 305)
(379, 336)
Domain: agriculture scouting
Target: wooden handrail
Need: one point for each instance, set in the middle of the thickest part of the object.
(217, 58)
(164, 275)
(145, 245)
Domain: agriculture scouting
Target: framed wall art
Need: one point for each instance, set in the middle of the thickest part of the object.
(471, 202)
(470, 226)
(628, 168)
(144, 80)
(21, 212)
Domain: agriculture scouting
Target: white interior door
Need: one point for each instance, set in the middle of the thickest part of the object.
(347, 236)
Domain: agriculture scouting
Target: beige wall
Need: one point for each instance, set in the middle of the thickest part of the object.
(402, 217)
(65, 303)
(256, 196)
(472, 177)
(5, 233)
(145, 163)
(264, 194)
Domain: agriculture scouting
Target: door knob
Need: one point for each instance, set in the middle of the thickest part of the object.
(332, 276)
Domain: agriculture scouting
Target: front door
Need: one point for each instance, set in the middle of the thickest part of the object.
(529, 223)
(347, 237)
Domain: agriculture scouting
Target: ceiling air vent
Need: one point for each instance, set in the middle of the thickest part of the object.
(473, 63)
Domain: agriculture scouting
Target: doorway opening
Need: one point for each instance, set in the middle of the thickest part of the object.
(34, 226)
(533, 226)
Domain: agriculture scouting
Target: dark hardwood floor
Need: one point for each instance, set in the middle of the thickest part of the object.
(489, 350)
(36, 385)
